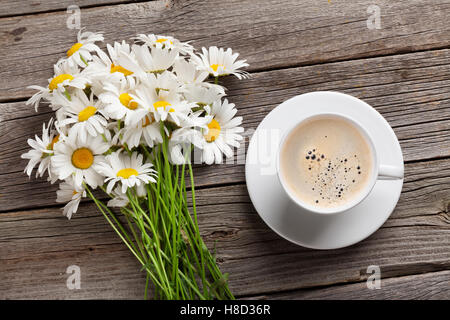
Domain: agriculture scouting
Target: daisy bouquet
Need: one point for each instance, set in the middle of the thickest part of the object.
(127, 121)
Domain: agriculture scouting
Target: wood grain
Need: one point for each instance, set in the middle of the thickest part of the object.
(409, 90)
(429, 286)
(38, 245)
(293, 47)
(270, 34)
(12, 8)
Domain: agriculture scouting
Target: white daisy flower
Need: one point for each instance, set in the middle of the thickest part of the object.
(222, 134)
(197, 119)
(66, 76)
(130, 171)
(165, 81)
(71, 193)
(76, 159)
(188, 73)
(218, 62)
(120, 103)
(163, 104)
(189, 134)
(118, 47)
(165, 42)
(119, 199)
(203, 95)
(171, 108)
(180, 144)
(155, 61)
(148, 129)
(80, 52)
(108, 68)
(83, 115)
(42, 149)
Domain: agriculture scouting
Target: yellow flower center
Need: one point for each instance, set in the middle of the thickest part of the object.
(162, 40)
(82, 158)
(147, 121)
(127, 101)
(74, 49)
(59, 79)
(213, 132)
(127, 172)
(162, 104)
(86, 113)
(115, 68)
(51, 144)
(216, 66)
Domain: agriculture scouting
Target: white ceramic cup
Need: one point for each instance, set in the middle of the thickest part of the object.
(379, 171)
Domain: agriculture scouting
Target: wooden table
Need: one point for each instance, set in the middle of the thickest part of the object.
(293, 47)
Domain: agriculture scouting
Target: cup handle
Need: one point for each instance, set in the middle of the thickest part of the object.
(386, 172)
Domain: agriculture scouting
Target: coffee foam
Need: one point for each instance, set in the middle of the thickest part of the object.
(326, 162)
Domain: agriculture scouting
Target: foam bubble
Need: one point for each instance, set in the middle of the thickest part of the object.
(324, 161)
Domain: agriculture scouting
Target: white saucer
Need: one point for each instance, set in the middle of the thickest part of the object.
(290, 221)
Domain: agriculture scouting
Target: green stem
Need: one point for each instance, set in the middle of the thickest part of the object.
(130, 246)
(164, 236)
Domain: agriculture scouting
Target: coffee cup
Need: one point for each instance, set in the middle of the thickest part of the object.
(325, 176)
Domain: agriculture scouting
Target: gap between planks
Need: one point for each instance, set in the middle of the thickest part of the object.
(103, 197)
(398, 79)
(95, 247)
(55, 6)
(293, 66)
(268, 37)
(360, 288)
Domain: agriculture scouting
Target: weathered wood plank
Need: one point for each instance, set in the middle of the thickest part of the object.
(270, 34)
(429, 286)
(10, 8)
(410, 90)
(38, 245)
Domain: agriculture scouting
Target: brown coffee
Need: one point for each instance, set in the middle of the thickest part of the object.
(326, 161)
